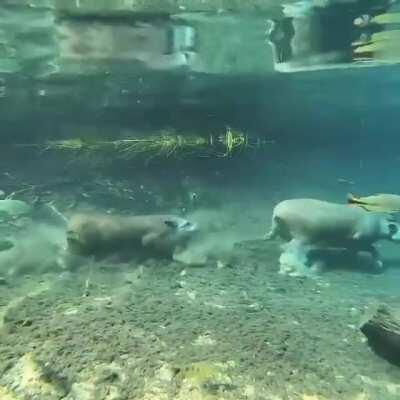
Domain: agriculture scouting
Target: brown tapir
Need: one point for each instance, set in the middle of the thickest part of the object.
(103, 235)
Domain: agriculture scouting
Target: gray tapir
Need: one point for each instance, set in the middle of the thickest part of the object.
(310, 227)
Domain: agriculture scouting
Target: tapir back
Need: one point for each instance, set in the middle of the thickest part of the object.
(319, 221)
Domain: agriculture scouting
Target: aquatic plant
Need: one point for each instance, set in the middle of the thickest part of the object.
(167, 144)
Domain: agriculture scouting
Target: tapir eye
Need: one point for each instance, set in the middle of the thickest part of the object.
(393, 228)
(171, 224)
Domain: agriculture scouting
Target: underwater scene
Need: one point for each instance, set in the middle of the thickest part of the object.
(199, 200)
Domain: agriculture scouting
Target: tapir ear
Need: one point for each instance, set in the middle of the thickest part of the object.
(393, 228)
(171, 224)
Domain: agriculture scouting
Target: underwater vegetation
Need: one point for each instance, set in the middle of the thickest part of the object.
(167, 144)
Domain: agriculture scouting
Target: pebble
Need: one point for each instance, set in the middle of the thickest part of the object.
(71, 311)
(354, 311)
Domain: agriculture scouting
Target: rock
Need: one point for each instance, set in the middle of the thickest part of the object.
(191, 258)
(203, 376)
(102, 382)
(6, 394)
(29, 379)
(383, 333)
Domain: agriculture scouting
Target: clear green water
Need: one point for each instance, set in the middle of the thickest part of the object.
(214, 113)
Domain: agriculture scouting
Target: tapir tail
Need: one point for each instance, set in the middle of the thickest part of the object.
(351, 199)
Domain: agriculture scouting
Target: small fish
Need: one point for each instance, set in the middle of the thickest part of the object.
(345, 181)
(382, 202)
(193, 196)
(6, 244)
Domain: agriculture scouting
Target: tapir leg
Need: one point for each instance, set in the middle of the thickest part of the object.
(273, 232)
(149, 239)
(278, 229)
(377, 262)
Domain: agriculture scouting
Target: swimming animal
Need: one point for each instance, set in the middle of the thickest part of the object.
(103, 235)
(310, 226)
(6, 244)
(383, 202)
